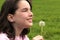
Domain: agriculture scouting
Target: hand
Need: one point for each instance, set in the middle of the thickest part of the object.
(38, 37)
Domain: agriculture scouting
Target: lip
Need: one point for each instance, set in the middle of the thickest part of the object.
(30, 20)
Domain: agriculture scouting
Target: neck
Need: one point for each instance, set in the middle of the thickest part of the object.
(18, 30)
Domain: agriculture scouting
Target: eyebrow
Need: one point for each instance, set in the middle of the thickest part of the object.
(24, 8)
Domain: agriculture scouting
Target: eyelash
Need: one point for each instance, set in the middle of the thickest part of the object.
(25, 10)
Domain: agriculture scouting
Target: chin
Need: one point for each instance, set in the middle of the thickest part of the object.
(29, 25)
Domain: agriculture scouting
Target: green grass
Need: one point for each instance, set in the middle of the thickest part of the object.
(1, 2)
(49, 11)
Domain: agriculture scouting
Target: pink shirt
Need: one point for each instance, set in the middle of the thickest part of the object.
(20, 38)
(3, 36)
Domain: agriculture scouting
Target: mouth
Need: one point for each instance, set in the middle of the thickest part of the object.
(30, 20)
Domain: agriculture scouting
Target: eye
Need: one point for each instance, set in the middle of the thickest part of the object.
(24, 10)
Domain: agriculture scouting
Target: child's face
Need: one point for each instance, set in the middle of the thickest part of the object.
(23, 15)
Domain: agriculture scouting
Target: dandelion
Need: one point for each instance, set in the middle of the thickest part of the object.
(41, 24)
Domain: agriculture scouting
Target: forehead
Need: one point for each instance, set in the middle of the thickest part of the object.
(23, 3)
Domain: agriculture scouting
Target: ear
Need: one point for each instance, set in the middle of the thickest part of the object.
(10, 18)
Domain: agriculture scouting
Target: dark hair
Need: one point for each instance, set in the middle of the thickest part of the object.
(10, 6)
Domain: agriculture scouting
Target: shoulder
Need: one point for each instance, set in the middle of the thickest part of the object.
(3, 36)
(26, 37)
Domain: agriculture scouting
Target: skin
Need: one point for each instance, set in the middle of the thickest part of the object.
(22, 17)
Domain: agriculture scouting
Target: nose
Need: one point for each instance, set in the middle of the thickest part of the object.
(30, 14)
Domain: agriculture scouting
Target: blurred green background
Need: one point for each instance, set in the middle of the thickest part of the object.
(49, 11)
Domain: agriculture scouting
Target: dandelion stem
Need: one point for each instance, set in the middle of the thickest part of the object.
(42, 31)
